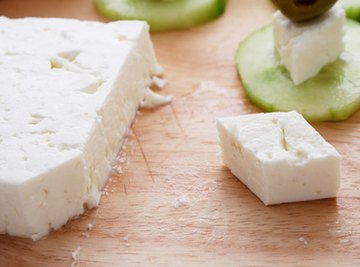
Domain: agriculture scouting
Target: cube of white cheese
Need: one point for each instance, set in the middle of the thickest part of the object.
(279, 157)
(306, 47)
(69, 92)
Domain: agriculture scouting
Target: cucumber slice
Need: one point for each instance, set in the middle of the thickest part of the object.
(352, 8)
(333, 94)
(163, 15)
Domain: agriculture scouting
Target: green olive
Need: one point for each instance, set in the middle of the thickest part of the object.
(302, 10)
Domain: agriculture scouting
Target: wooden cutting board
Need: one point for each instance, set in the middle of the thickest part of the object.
(176, 204)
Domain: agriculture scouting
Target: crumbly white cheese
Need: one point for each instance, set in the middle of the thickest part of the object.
(305, 48)
(159, 83)
(154, 100)
(75, 255)
(279, 157)
(69, 92)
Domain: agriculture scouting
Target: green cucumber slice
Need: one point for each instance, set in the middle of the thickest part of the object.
(163, 15)
(352, 8)
(333, 94)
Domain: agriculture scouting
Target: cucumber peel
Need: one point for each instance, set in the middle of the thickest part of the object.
(352, 8)
(333, 94)
(163, 15)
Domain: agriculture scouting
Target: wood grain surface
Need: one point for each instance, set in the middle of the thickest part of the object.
(176, 204)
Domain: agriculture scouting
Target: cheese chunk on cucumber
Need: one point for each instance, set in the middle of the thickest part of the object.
(333, 94)
(352, 8)
(163, 15)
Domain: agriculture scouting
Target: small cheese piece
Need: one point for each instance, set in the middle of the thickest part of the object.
(154, 100)
(306, 47)
(69, 92)
(279, 157)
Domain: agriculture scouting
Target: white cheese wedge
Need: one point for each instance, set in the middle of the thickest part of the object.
(279, 157)
(306, 47)
(69, 92)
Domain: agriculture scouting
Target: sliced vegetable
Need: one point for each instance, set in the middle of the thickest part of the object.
(352, 8)
(333, 94)
(163, 15)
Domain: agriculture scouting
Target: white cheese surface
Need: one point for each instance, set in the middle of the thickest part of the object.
(69, 92)
(280, 157)
(306, 47)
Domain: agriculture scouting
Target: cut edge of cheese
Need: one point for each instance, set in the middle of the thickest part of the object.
(47, 199)
(279, 157)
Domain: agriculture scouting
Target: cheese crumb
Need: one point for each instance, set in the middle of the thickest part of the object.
(154, 100)
(75, 255)
(158, 83)
(303, 240)
(89, 227)
(126, 241)
(181, 201)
